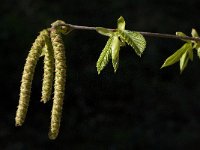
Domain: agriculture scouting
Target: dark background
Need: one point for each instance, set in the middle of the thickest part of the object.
(139, 107)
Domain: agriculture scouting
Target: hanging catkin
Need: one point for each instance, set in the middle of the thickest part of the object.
(59, 85)
(27, 77)
(48, 70)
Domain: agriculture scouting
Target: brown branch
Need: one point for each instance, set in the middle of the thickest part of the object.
(150, 34)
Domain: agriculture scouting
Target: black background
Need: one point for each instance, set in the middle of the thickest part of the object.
(139, 107)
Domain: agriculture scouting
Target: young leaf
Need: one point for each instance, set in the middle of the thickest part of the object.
(104, 56)
(177, 55)
(196, 44)
(104, 31)
(194, 33)
(134, 39)
(190, 54)
(115, 47)
(183, 61)
(182, 34)
(121, 23)
(197, 47)
(198, 51)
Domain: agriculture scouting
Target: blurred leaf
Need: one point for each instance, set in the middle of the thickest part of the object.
(182, 34)
(177, 55)
(115, 46)
(196, 44)
(194, 33)
(134, 39)
(121, 23)
(198, 51)
(104, 31)
(183, 61)
(190, 54)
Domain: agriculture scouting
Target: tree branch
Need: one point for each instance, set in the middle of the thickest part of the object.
(170, 36)
(150, 34)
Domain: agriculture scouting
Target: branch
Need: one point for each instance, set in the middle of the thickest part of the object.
(150, 34)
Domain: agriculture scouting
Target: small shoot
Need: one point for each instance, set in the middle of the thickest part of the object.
(196, 44)
(185, 53)
(118, 38)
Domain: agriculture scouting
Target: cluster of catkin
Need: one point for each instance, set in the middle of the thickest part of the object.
(49, 44)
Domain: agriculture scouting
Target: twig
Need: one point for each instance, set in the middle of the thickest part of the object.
(150, 34)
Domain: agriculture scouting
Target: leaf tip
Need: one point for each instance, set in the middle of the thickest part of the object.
(121, 23)
(194, 33)
(98, 70)
(121, 18)
(115, 70)
(162, 66)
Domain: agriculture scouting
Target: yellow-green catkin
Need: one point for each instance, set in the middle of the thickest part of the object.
(59, 85)
(48, 70)
(27, 77)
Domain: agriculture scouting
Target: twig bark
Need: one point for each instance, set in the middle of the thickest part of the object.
(150, 34)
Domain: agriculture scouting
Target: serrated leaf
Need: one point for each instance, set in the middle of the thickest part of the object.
(104, 31)
(115, 47)
(194, 33)
(121, 23)
(134, 39)
(104, 56)
(183, 35)
(177, 55)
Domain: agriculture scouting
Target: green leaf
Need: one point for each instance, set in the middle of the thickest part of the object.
(194, 33)
(104, 56)
(104, 31)
(177, 55)
(183, 61)
(115, 47)
(134, 39)
(180, 34)
(198, 51)
(121, 23)
(196, 44)
(183, 35)
(190, 54)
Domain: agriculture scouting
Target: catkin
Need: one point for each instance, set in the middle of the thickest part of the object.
(59, 85)
(27, 77)
(48, 70)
